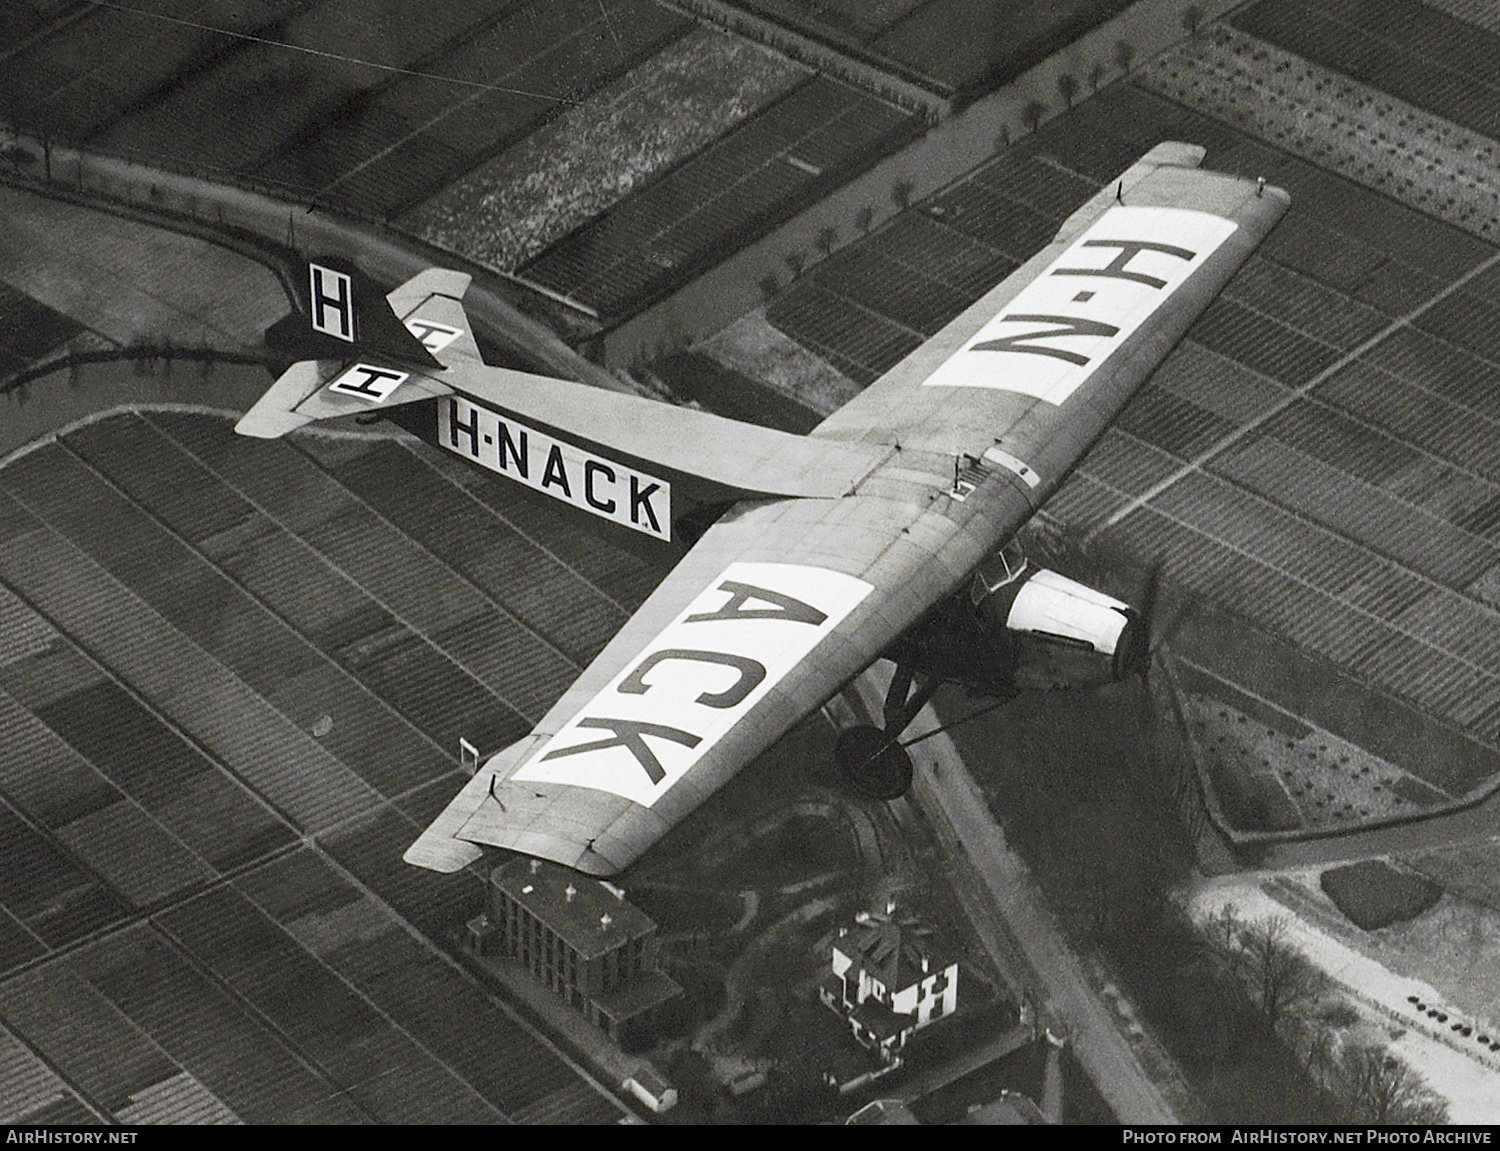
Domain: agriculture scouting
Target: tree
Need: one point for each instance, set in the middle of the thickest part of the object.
(1319, 1060)
(1379, 1088)
(1224, 928)
(1033, 114)
(1281, 980)
(1067, 87)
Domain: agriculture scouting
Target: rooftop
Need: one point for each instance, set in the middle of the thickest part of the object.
(590, 916)
(893, 951)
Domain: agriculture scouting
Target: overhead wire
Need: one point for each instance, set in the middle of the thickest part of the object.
(254, 39)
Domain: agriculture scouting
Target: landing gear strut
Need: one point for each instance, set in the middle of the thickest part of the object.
(869, 758)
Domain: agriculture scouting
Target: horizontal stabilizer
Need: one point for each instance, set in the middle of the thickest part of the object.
(275, 413)
(325, 390)
(429, 305)
(354, 361)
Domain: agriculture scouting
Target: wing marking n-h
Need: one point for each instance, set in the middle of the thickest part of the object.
(1066, 322)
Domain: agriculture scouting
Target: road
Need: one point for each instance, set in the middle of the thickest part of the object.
(185, 202)
(1015, 926)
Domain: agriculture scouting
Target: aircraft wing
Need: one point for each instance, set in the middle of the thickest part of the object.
(1029, 376)
(778, 605)
(783, 601)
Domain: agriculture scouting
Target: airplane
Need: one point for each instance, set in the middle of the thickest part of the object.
(887, 531)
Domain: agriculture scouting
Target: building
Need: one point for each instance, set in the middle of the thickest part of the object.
(580, 937)
(882, 1113)
(1012, 1109)
(889, 979)
(647, 1085)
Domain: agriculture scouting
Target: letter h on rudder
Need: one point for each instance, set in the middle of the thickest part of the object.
(339, 303)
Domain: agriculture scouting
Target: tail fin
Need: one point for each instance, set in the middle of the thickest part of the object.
(342, 314)
(353, 351)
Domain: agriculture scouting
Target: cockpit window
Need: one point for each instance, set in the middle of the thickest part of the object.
(1004, 567)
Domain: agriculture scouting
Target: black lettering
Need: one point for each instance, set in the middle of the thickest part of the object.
(628, 734)
(322, 301)
(751, 674)
(426, 329)
(365, 386)
(555, 473)
(1129, 249)
(1070, 326)
(786, 608)
(642, 499)
(590, 469)
(471, 429)
(522, 460)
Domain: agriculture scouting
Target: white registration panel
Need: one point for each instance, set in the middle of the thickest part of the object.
(1058, 329)
(562, 470)
(368, 382)
(698, 678)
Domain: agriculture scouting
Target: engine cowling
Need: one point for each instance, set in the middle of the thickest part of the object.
(1021, 628)
(1066, 634)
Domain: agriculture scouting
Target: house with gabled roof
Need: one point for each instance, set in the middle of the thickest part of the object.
(889, 978)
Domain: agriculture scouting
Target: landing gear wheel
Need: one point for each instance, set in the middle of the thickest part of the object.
(874, 773)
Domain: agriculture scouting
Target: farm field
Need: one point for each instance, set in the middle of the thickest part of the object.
(508, 210)
(232, 684)
(1317, 451)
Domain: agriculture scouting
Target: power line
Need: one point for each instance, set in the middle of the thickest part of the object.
(327, 55)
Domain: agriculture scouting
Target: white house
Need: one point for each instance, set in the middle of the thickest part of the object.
(889, 979)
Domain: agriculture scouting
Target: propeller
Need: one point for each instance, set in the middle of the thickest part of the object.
(1150, 636)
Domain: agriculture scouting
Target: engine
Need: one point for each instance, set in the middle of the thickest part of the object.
(1021, 628)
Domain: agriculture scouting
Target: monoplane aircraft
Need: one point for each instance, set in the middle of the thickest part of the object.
(887, 532)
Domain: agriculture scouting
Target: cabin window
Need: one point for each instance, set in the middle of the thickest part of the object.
(1004, 567)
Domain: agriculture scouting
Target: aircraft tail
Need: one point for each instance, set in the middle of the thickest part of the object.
(353, 351)
(430, 306)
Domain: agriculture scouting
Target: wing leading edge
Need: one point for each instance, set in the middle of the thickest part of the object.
(783, 601)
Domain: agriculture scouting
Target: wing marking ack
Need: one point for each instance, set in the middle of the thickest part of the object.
(698, 678)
